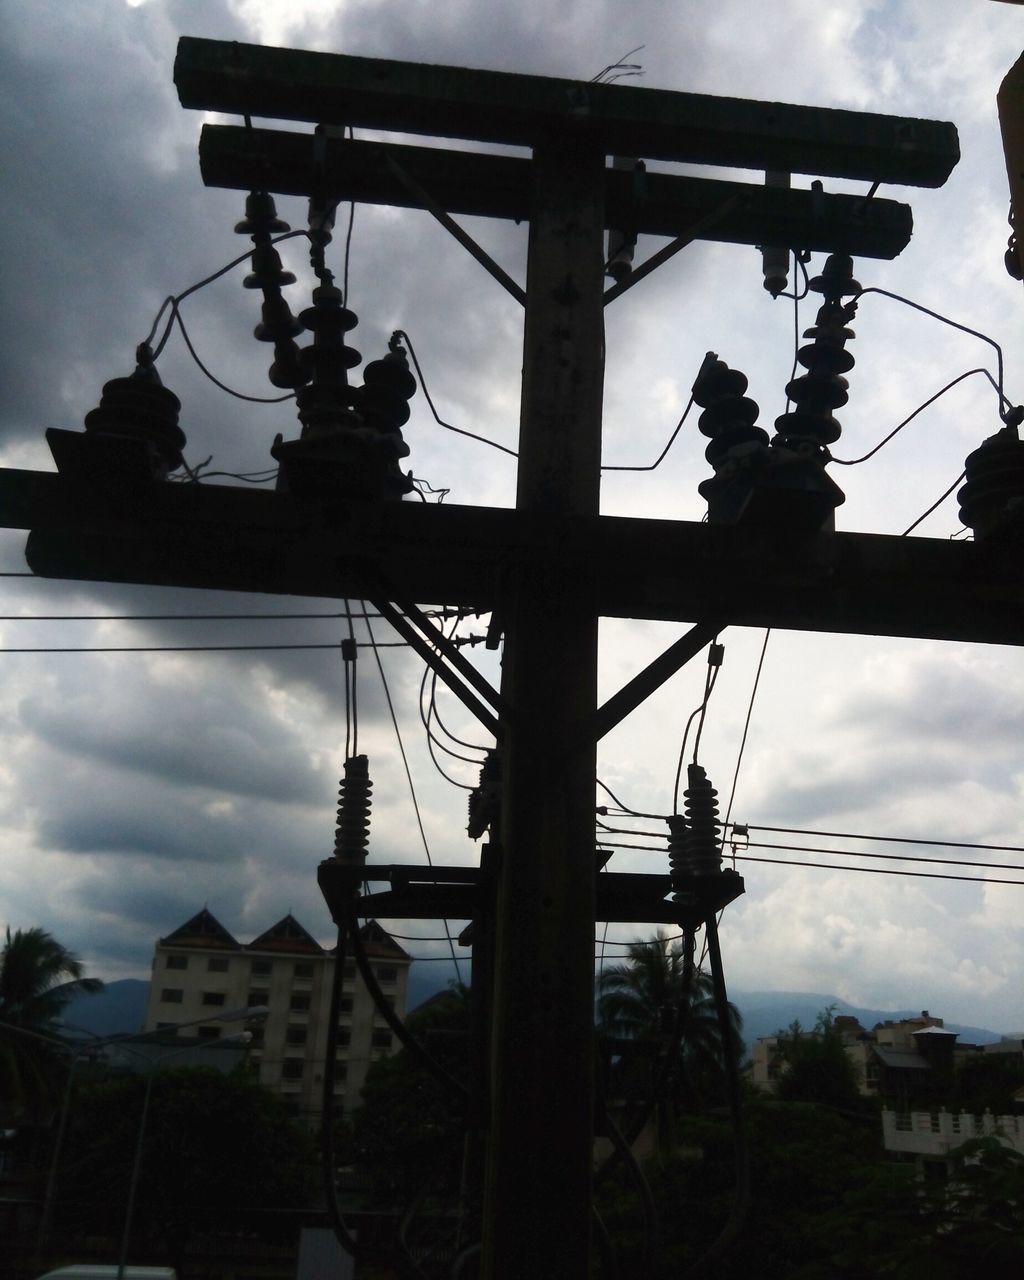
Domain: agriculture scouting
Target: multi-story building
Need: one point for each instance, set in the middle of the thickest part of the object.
(201, 971)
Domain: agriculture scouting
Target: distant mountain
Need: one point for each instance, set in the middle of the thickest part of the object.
(765, 1012)
(120, 1006)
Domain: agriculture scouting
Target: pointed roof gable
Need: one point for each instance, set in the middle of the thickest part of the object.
(203, 930)
(378, 942)
(289, 936)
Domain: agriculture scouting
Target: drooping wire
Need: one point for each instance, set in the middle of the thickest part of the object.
(850, 835)
(709, 684)
(380, 1000)
(348, 239)
(239, 395)
(954, 324)
(408, 775)
(400, 333)
(935, 505)
(661, 456)
(800, 261)
(625, 809)
(746, 727)
(853, 462)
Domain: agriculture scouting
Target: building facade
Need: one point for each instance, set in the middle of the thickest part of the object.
(200, 972)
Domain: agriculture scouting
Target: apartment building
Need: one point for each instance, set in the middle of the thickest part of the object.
(201, 971)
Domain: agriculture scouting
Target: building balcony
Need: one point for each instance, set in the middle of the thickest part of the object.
(936, 1133)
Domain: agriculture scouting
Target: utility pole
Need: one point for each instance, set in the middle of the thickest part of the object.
(552, 567)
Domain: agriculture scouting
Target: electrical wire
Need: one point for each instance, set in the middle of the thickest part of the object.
(661, 456)
(238, 395)
(327, 1151)
(746, 727)
(935, 505)
(408, 774)
(849, 835)
(401, 333)
(604, 787)
(709, 686)
(401, 1031)
(878, 871)
(853, 462)
(194, 648)
(954, 324)
(886, 857)
(741, 1198)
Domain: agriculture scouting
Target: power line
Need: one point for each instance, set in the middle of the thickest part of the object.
(195, 648)
(849, 835)
(878, 871)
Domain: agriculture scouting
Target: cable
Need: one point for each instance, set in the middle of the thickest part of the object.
(886, 857)
(878, 871)
(171, 617)
(853, 462)
(709, 685)
(604, 787)
(400, 333)
(849, 835)
(408, 775)
(741, 1199)
(661, 456)
(193, 648)
(239, 395)
(385, 1010)
(327, 1154)
(746, 727)
(175, 300)
(937, 503)
(935, 315)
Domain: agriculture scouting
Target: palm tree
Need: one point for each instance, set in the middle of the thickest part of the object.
(661, 1029)
(38, 978)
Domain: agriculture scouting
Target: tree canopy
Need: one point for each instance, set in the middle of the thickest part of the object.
(38, 978)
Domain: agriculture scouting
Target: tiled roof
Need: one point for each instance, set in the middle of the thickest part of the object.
(203, 930)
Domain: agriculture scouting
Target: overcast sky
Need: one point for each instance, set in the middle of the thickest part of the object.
(135, 788)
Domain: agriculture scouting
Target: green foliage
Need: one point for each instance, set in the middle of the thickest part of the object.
(988, 1082)
(818, 1068)
(213, 1144)
(408, 1133)
(38, 978)
(640, 1002)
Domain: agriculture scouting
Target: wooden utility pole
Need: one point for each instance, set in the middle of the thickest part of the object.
(554, 566)
(537, 1197)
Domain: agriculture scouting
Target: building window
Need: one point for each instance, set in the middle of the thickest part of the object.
(295, 1035)
(166, 1026)
(381, 1039)
(300, 1003)
(303, 969)
(177, 962)
(261, 968)
(171, 995)
(344, 1037)
(217, 964)
(345, 1004)
(291, 1069)
(259, 999)
(257, 1037)
(386, 973)
(213, 997)
(208, 1033)
(349, 973)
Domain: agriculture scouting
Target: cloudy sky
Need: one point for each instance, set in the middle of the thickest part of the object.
(135, 787)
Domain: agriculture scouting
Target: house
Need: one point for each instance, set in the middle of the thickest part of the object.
(201, 971)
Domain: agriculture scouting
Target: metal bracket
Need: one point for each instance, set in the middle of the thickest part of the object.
(432, 646)
(453, 228)
(653, 676)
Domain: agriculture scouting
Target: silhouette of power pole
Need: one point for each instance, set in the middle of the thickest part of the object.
(552, 567)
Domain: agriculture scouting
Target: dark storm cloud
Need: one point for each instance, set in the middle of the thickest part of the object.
(205, 737)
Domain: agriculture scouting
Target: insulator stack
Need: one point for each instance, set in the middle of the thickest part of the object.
(809, 428)
(352, 835)
(140, 407)
(278, 325)
(694, 846)
(992, 500)
(388, 386)
(485, 798)
(327, 403)
(728, 416)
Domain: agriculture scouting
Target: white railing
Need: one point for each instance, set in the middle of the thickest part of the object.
(938, 1132)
